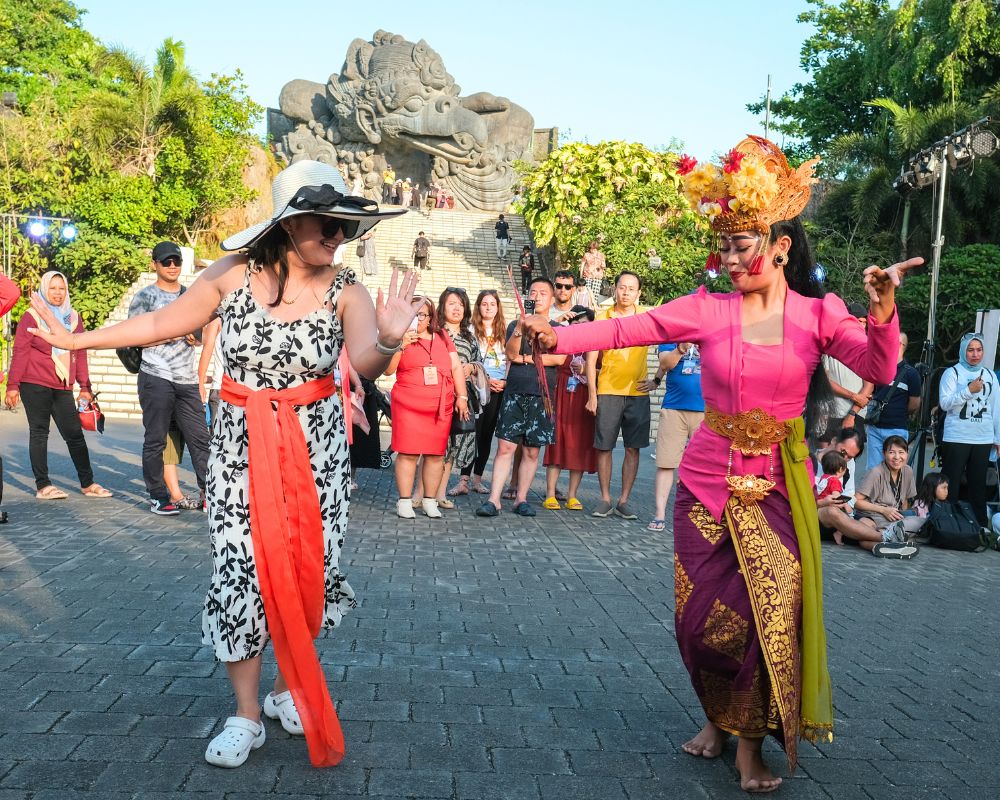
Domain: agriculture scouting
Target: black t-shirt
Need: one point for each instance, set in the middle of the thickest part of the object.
(895, 415)
(501, 228)
(523, 378)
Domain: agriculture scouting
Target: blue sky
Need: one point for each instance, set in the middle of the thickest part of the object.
(649, 72)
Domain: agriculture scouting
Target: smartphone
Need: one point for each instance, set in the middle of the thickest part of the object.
(529, 307)
(841, 498)
(413, 324)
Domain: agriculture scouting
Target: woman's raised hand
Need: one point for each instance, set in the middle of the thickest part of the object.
(395, 309)
(537, 327)
(56, 335)
(880, 284)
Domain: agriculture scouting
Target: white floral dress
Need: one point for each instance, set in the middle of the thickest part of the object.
(261, 352)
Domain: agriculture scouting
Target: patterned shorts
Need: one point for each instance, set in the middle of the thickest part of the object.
(522, 420)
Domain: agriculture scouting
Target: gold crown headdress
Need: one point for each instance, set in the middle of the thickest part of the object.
(751, 189)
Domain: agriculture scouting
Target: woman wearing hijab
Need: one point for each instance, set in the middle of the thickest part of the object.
(42, 377)
(279, 473)
(968, 396)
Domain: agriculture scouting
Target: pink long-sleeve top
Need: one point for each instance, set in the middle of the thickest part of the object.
(738, 376)
(31, 361)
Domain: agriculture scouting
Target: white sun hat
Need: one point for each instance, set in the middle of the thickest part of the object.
(312, 187)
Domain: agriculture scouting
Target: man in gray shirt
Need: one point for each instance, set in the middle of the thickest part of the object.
(168, 386)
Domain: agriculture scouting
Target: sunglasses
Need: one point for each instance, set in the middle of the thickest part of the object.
(171, 261)
(423, 315)
(455, 290)
(331, 226)
(565, 286)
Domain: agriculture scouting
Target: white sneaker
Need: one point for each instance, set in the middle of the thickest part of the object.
(430, 508)
(404, 508)
(232, 747)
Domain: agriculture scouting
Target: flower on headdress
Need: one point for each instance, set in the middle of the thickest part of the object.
(703, 181)
(754, 186)
(709, 208)
(731, 161)
(685, 164)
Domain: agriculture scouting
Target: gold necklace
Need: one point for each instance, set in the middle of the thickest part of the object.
(291, 302)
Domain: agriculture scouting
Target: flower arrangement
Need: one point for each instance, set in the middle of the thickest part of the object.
(743, 183)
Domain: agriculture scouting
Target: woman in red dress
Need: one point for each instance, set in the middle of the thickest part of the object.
(573, 449)
(423, 403)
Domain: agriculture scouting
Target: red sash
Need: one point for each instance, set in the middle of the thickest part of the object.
(287, 532)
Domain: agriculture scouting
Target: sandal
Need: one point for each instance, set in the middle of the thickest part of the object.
(282, 707)
(446, 504)
(551, 504)
(95, 490)
(462, 487)
(574, 505)
(232, 747)
(510, 493)
(50, 492)
(480, 488)
(656, 525)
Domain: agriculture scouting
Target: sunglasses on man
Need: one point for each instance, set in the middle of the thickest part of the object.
(565, 286)
(171, 261)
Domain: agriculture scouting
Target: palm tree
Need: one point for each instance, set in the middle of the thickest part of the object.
(127, 119)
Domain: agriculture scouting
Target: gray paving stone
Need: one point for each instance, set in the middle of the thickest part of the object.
(478, 648)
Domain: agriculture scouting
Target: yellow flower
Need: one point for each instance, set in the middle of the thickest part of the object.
(704, 180)
(754, 186)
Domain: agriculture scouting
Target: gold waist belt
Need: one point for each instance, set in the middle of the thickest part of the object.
(753, 433)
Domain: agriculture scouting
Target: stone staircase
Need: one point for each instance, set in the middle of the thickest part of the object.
(463, 254)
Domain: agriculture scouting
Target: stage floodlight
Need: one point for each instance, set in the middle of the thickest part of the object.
(905, 183)
(69, 231)
(37, 228)
(983, 143)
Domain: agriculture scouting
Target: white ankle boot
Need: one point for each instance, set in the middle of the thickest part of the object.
(430, 508)
(404, 508)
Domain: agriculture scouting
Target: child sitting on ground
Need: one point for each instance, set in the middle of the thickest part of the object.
(831, 484)
(933, 489)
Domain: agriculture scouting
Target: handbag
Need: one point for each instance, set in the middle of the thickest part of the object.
(91, 416)
(361, 250)
(874, 409)
(953, 526)
(460, 426)
(131, 358)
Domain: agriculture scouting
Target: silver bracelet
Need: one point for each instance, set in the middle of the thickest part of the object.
(388, 351)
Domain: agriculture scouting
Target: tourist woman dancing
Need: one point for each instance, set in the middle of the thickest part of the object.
(278, 482)
(748, 581)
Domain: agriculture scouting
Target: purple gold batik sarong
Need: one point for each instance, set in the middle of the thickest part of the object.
(738, 590)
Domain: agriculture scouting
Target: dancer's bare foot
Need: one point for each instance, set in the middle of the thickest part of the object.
(838, 537)
(708, 743)
(755, 775)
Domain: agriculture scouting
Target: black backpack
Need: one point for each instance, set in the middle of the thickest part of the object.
(953, 526)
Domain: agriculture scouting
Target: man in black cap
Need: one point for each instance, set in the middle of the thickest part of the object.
(168, 386)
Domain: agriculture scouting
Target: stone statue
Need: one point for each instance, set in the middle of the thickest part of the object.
(394, 103)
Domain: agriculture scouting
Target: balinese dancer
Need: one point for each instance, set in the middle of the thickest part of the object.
(748, 581)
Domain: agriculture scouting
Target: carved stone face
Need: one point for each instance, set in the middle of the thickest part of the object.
(397, 97)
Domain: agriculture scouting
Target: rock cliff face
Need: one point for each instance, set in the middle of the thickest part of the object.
(393, 103)
(257, 175)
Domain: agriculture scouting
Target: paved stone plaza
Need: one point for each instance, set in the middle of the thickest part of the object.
(504, 658)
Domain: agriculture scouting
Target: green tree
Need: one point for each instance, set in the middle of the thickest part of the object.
(969, 280)
(625, 196)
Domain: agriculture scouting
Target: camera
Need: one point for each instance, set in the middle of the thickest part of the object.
(529, 307)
